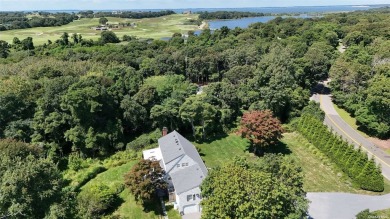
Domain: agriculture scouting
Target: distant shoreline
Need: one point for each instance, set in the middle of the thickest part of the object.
(287, 9)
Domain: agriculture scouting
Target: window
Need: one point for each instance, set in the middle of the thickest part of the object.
(178, 165)
(193, 197)
(184, 164)
(189, 197)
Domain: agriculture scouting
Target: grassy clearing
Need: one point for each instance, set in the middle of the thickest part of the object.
(320, 174)
(349, 119)
(155, 28)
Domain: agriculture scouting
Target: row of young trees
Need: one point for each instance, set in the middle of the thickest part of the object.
(363, 171)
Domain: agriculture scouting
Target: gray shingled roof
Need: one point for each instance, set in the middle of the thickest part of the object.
(187, 178)
(170, 147)
(174, 145)
(191, 151)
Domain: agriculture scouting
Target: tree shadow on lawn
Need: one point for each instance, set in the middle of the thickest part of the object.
(208, 139)
(118, 201)
(279, 148)
(153, 206)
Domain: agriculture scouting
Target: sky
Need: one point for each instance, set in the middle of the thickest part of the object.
(12, 5)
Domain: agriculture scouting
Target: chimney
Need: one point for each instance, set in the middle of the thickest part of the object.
(164, 131)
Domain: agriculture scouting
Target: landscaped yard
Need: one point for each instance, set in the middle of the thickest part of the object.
(320, 174)
(155, 28)
(129, 208)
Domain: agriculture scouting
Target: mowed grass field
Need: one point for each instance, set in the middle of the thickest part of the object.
(155, 28)
(320, 174)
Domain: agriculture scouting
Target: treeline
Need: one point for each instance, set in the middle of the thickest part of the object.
(135, 14)
(18, 20)
(220, 15)
(94, 97)
(360, 76)
(363, 171)
(361, 81)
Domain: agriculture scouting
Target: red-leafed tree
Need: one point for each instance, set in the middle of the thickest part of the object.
(261, 129)
(144, 179)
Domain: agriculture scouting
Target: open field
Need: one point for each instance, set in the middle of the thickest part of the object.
(320, 174)
(155, 28)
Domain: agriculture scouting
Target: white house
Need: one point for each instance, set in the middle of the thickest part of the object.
(184, 169)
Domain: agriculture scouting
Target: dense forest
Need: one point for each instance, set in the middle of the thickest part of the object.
(93, 98)
(219, 15)
(134, 14)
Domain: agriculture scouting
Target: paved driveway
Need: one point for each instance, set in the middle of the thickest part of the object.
(344, 205)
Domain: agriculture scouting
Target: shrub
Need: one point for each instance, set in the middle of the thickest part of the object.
(144, 140)
(75, 162)
(95, 200)
(120, 158)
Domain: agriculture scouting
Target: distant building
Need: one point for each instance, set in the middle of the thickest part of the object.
(100, 27)
(185, 171)
(187, 12)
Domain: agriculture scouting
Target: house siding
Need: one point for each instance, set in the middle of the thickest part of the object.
(183, 200)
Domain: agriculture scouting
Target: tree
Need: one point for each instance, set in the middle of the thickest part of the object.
(65, 38)
(94, 200)
(238, 191)
(91, 111)
(108, 37)
(29, 184)
(144, 179)
(27, 44)
(75, 38)
(103, 20)
(261, 129)
(4, 49)
(314, 110)
(198, 112)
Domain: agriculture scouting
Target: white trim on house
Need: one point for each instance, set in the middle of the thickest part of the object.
(184, 169)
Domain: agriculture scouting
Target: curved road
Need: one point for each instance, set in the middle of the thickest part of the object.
(343, 205)
(333, 120)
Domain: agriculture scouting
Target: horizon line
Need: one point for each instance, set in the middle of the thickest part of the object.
(368, 5)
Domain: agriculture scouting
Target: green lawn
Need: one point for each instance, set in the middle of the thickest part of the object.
(129, 209)
(320, 174)
(348, 119)
(223, 150)
(155, 28)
